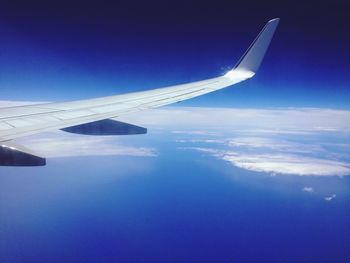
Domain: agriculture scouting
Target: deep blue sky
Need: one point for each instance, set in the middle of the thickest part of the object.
(63, 50)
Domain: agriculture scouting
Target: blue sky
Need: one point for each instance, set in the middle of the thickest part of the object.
(63, 51)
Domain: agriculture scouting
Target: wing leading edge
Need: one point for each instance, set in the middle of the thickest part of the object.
(75, 116)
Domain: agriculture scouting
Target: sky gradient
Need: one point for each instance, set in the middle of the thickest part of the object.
(63, 50)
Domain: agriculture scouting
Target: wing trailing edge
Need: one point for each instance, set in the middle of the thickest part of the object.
(12, 154)
(106, 127)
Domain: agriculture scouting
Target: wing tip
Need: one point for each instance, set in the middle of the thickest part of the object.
(252, 58)
(277, 19)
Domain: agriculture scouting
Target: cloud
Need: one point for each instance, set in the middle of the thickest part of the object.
(275, 144)
(308, 189)
(197, 132)
(279, 163)
(200, 149)
(287, 164)
(60, 144)
(276, 141)
(299, 148)
(200, 141)
(330, 198)
(276, 121)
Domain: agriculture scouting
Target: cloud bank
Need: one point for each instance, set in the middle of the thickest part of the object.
(282, 141)
(292, 141)
(279, 164)
(60, 144)
(288, 164)
(262, 121)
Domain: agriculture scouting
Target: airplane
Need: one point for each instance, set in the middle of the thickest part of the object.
(99, 116)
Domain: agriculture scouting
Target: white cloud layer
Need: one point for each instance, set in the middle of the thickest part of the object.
(288, 164)
(279, 163)
(218, 120)
(60, 144)
(283, 142)
(275, 141)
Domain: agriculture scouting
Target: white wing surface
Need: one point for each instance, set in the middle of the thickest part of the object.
(96, 116)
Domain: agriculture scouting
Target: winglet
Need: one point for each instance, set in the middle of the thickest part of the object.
(252, 58)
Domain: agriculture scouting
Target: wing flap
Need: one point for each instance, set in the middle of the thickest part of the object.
(12, 154)
(106, 127)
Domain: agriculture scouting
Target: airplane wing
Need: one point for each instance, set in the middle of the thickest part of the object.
(99, 116)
